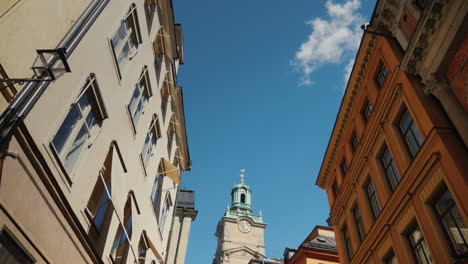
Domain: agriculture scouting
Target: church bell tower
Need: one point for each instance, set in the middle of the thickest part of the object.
(240, 232)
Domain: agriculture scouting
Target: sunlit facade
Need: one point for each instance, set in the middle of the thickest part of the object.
(92, 170)
(395, 168)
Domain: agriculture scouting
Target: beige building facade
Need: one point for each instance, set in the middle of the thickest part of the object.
(91, 163)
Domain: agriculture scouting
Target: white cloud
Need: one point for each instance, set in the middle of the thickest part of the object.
(332, 41)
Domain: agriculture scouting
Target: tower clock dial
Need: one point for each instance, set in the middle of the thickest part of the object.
(244, 226)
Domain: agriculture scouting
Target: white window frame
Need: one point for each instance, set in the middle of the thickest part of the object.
(165, 212)
(144, 86)
(127, 39)
(91, 89)
(154, 132)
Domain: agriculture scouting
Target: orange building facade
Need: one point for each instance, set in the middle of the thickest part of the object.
(318, 248)
(395, 169)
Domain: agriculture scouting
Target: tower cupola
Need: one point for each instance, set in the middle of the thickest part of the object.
(241, 202)
(241, 199)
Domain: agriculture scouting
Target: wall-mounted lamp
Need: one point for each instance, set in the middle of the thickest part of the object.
(49, 65)
(365, 26)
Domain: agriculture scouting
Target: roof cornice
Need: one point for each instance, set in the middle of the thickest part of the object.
(354, 86)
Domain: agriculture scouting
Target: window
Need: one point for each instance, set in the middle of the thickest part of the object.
(121, 243)
(390, 258)
(142, 249)
(155, 193)
(372, 198)
(242, 198)
(171, 135)
(165, 98)
(11, 252)
(410, 133)
(335, 189)
(381, 75)
(165, 212)
(344, 166)
(150, 9)
(349, 250)
(452, 222)
(390, 168)
(82, 120)
(159, 51)
(140, 97)
(99, 203)
(150, 140)
(354, 141)
(126, 40)
(366, 111)
(359, 224)
(418, 246)
(421, 3)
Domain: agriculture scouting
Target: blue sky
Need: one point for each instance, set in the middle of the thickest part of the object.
(262, 83)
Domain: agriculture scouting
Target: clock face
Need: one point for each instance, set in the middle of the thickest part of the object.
(244, 226)
(242, 190)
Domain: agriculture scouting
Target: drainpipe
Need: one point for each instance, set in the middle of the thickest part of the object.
(31, 93)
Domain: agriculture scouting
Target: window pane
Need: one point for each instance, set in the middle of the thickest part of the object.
(134, 100)
(138, 111)
(458, 232)
(66, 129)
(405, 121)
(382, 75)
(10, 252)
(390, 169)
(410, 133)
(155, 191)
(119, 246)
(335, 189)
(386, 158)
(374, 203)
(119, 37)
(453, 223)
(347, 241)
(375, 207)
(420, 250)
(391, 259)
(91, 121)
(142, 251)
(102, 209)
(358, 221)
(123, 55)
(147, 149)
(420, 255)
(78, 144)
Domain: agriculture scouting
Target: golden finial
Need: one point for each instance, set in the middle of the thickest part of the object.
(242, 176)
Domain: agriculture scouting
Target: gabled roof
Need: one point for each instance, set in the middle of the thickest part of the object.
(244, 248)
(321, 242)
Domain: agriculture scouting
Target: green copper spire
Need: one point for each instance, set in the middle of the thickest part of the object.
(241, 201)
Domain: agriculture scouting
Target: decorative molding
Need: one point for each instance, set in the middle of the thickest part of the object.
(435, 84)
(428, 29)
(342, 122)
